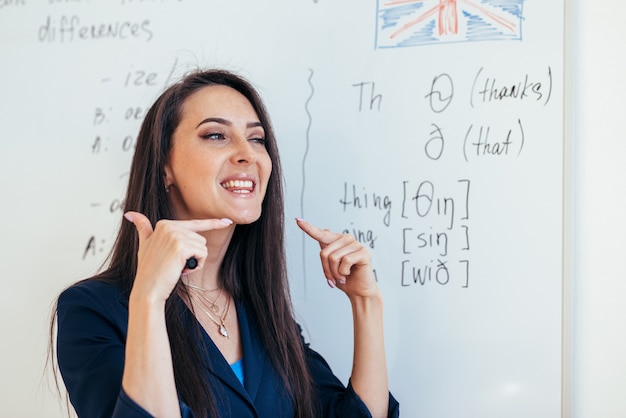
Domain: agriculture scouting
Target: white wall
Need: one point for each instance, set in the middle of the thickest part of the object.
(598, 243)
(599, 389)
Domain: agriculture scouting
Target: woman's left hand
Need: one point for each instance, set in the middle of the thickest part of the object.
(347, 265)
(345, 261)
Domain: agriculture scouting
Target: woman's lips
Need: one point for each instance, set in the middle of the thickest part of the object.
(238, 186)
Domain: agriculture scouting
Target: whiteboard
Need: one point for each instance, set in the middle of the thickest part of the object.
(434, 133)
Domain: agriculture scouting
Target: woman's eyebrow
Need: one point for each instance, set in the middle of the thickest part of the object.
(254, 125)
(217, 120)
(228, 123)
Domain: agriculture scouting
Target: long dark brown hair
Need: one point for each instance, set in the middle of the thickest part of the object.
(254, 267)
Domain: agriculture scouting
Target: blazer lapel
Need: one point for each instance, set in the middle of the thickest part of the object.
(219, 367)
(254, 358)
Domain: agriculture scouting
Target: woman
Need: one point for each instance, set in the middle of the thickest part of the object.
(151, 336)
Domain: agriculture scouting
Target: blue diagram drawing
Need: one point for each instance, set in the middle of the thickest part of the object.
(407, 23)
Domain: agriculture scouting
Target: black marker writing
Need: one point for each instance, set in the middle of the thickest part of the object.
(374, 99)
(71, 29)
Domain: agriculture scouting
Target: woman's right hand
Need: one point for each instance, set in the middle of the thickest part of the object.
(164, 250)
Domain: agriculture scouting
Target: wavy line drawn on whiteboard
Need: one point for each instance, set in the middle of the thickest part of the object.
(304, 158)
(408, 23)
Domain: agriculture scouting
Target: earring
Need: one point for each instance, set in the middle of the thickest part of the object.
(167, 188)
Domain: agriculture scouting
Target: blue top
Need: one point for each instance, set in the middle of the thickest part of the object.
(92, 318)
(238, 369)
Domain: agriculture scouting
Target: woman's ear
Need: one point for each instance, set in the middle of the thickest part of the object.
(169, 177)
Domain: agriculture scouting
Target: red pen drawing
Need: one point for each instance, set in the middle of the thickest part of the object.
(405, 23)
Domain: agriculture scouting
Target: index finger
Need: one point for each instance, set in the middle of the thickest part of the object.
(200, 225)
(320, 235)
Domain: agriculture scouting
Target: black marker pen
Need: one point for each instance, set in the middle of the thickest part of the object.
(191, 263)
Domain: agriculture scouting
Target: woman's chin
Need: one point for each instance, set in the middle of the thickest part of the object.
(245, 218)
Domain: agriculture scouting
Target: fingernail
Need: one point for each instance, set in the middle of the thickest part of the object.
(226, 221)
(331, 283)
(300, 220)
(341, 281)
(128, 217)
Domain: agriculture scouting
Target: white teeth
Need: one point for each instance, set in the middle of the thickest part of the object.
(238, 184)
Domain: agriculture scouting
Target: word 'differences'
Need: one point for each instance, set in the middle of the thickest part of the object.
(431, 225)
(76, 26)
(72, 28)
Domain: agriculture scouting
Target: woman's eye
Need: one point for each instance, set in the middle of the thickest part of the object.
(258, 140)
(213, 135)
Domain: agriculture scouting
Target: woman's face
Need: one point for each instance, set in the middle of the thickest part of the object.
(218, 166)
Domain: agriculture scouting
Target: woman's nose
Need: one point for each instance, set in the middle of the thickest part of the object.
(243, 153)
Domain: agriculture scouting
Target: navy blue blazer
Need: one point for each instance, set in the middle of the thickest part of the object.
(92, 318)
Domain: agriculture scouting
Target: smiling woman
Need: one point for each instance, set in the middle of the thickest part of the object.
(150, 337)
(219, 165)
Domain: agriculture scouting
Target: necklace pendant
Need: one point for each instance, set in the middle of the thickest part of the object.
(215, 308)
(224, 331)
